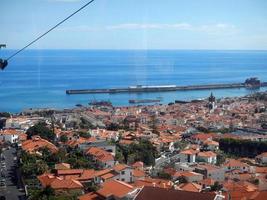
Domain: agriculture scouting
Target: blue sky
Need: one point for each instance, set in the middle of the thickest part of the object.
(136, 24)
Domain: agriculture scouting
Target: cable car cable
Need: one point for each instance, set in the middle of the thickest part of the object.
(61, 22)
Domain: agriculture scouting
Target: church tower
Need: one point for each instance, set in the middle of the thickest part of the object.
(212, 101)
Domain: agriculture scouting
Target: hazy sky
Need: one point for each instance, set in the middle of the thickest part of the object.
(136, 24)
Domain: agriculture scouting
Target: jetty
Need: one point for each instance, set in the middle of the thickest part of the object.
(249, 83)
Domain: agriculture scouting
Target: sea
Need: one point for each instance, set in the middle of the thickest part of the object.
(39, 78)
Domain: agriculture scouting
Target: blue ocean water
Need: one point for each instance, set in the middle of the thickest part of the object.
(39, 78)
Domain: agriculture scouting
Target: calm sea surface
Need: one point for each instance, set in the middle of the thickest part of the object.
(39, 78)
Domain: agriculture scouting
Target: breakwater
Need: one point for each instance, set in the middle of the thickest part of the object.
(166, 88)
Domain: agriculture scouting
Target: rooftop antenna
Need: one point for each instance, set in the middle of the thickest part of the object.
(3, 63)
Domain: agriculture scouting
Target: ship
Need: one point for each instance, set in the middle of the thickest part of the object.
(100, 103)
(144, 101)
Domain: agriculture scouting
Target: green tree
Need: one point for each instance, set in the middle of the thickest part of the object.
(216, 187)
(84, 134)
(63, 138)
(41, 130)
(48, 192)
(164, 175)
(142, 151)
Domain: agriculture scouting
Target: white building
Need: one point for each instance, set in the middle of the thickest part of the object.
(262, 158)
(125, 173)
(211, 171)
(207, 156)
(11, 136)
(188, 155)
(18, 123)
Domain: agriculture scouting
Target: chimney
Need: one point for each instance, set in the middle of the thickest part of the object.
(154, 184)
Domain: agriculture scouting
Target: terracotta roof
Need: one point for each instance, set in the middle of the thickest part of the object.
(153, 182)
(138, 164)
(241, 186)
(37, 143)
(66, 184)
(235, 163)
(115, 188)
(190, 187)
(207, 154)
(154, 193)
(259, 196)
(264, 154)
(189, 152)
(138, 173)
(100, 154)
(186, 174)
(107, 176)
(90, 196)
(208, 167)
(207, 182)
(261, 170)
(202, 136)
(120, 167)
(59, 183)
(102, 172)
(211, 142)
(87, 175)
(63, 172)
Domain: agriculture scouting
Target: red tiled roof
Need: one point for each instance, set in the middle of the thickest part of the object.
(207, 154)
(115, 188)
(90, 196)
(189, 152)
(100, 154)
(120, 167)
(37, 143)
(138, 173)
(190, 187)
(154, 193)
(59, 183)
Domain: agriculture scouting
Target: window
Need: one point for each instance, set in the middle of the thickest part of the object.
(122, 172)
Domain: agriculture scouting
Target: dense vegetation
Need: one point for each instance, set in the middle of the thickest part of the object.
(142, 151)
(242, 148)
(42, 130)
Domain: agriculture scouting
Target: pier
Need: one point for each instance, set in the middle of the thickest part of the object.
(249, 83)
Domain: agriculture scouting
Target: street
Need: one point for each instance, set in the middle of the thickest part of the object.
(13, 189)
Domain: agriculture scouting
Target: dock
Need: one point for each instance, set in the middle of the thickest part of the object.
(249, 84)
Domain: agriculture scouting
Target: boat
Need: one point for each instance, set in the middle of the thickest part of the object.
(100, 103)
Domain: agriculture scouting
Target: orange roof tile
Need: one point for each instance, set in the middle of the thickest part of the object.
(115, 188)
(90, 196)
(190, 187)
(120, 167)
(189, 152)
(37, 143)
(100, 154)
(138, 173)
(207, 154)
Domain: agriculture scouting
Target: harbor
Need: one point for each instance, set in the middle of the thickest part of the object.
(249, 83)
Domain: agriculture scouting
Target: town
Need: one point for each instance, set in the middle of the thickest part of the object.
(212, 149)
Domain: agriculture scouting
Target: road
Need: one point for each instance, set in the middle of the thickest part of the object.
(13, 183)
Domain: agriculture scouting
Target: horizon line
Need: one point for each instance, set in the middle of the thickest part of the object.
(115, 49)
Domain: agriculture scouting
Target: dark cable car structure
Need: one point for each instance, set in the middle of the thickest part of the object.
(4, 62)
